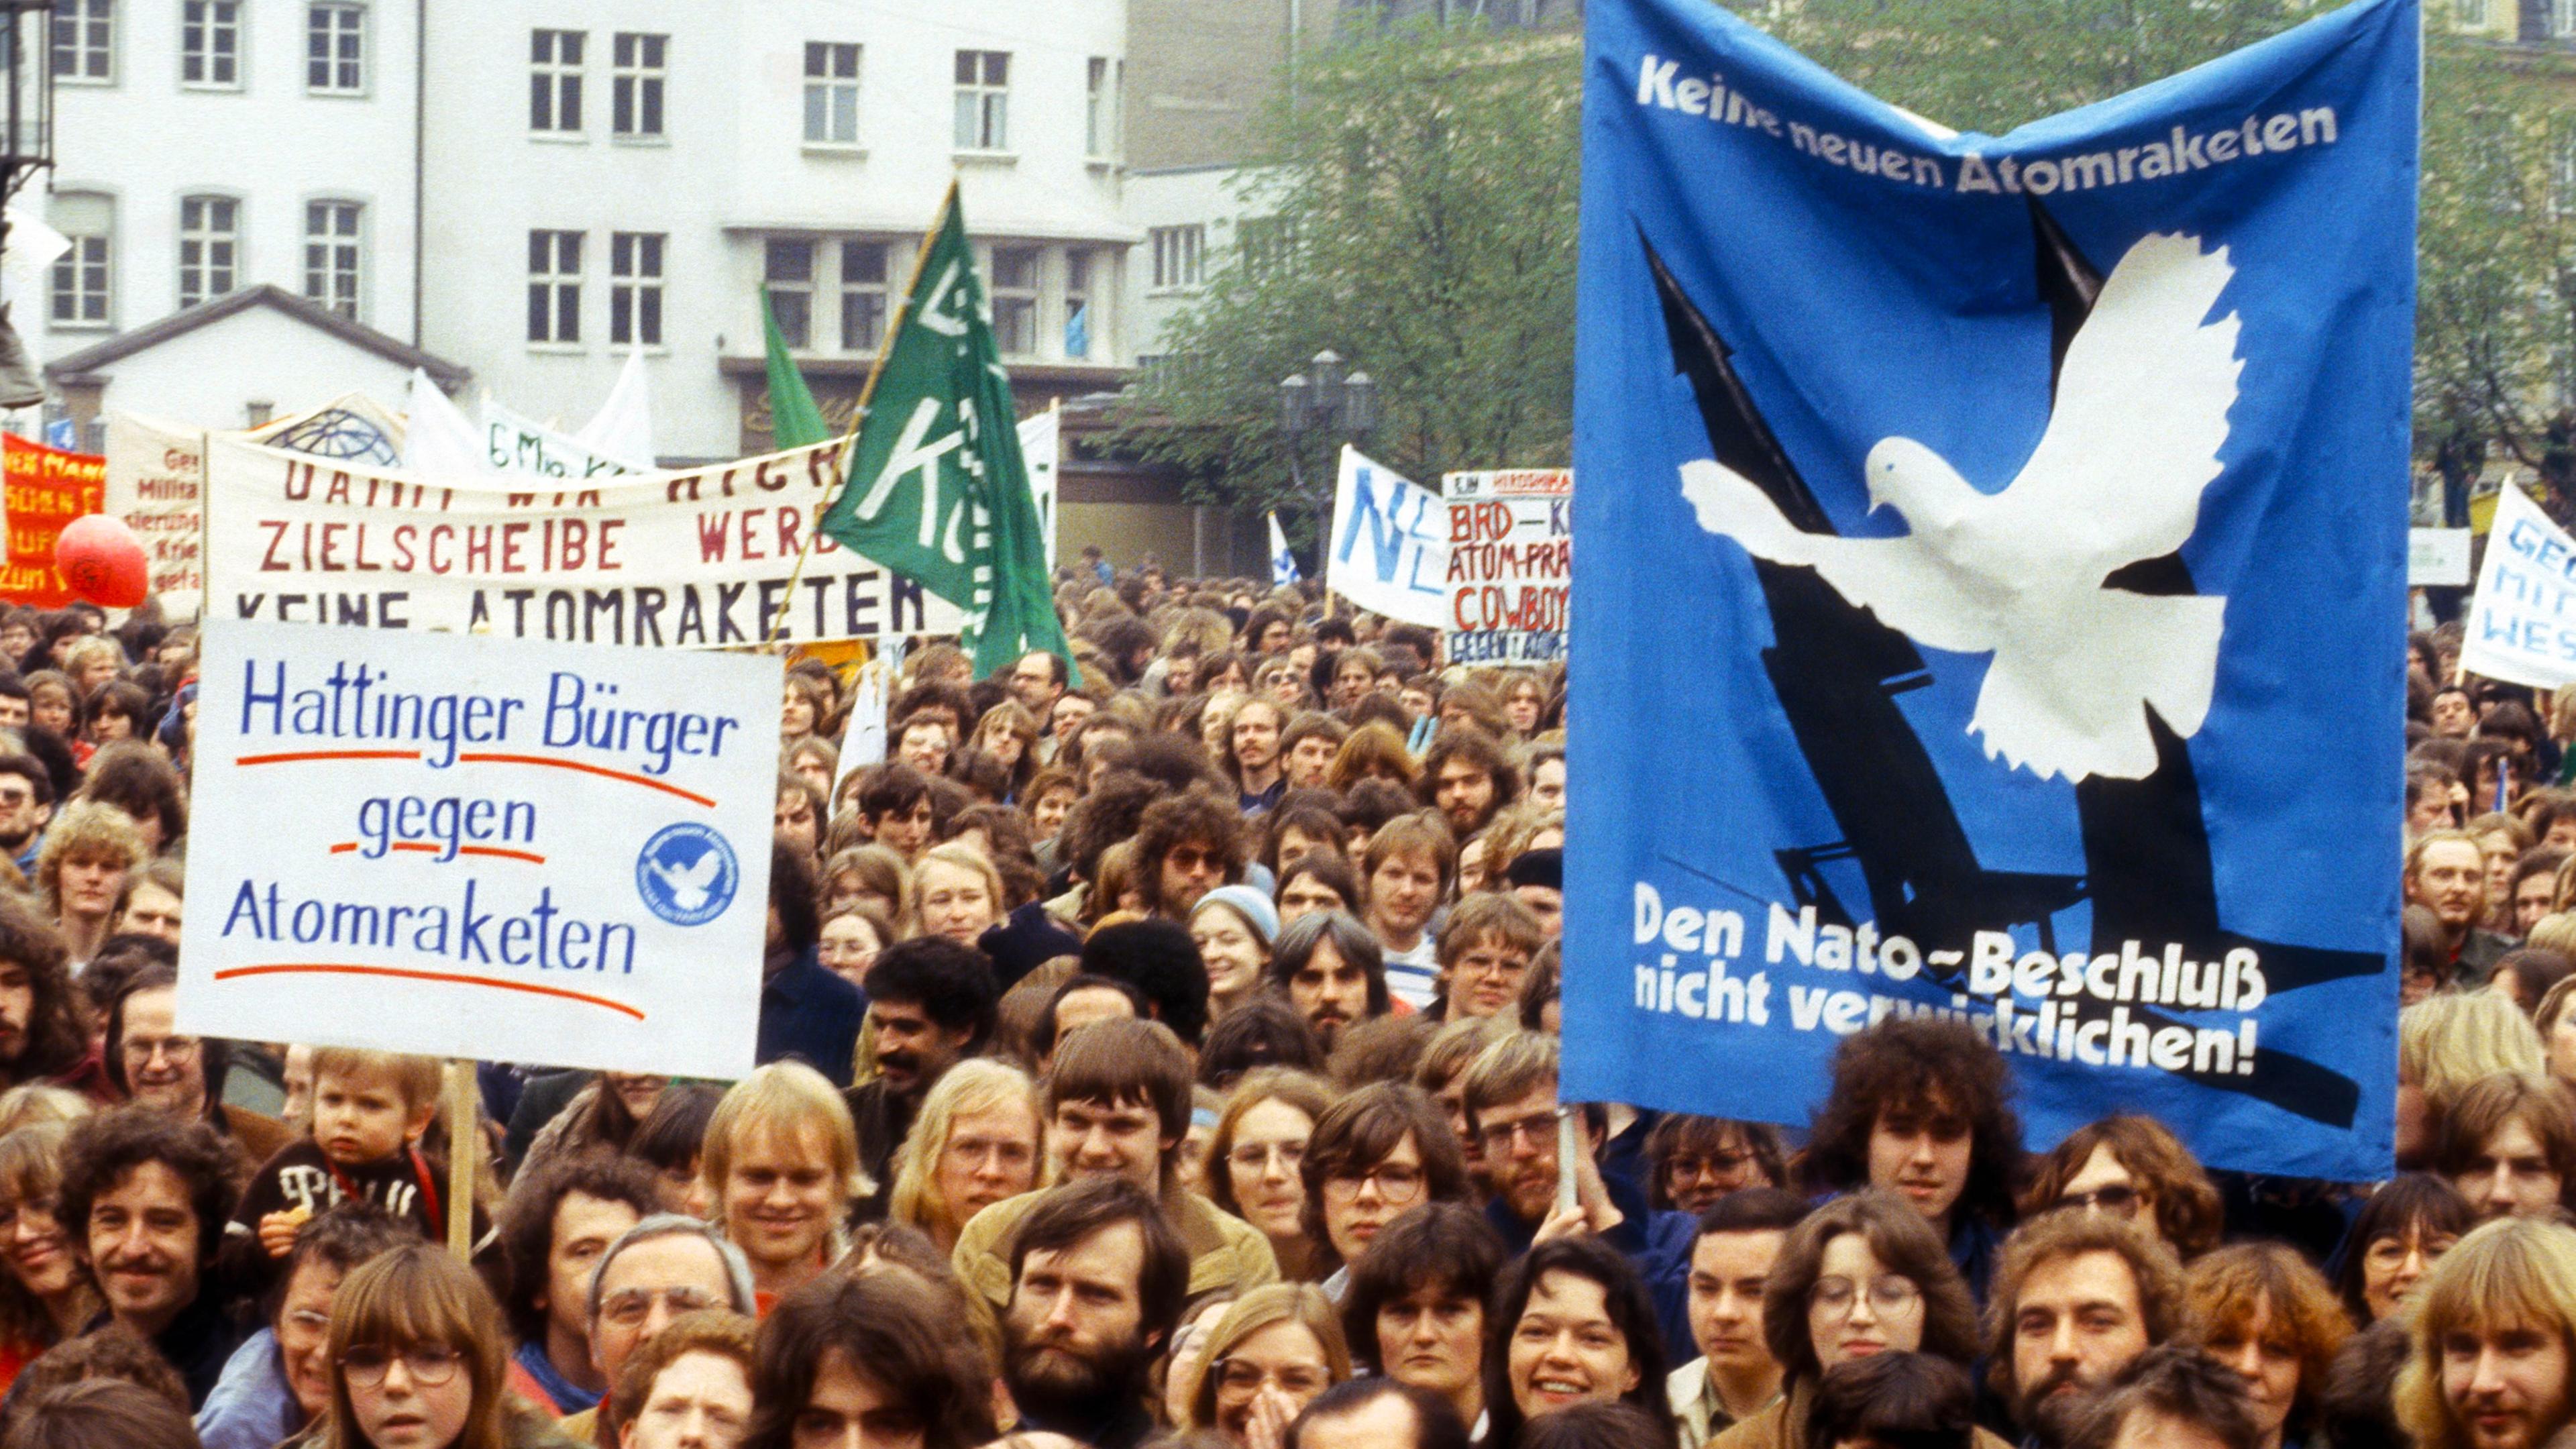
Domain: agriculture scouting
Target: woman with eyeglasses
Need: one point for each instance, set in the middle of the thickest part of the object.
(420, 1359)
(2405, 1227)
(1865, 1274)
(1256, 1157)
(1272, 1353)
(2130, 1167)
(1375, 1154)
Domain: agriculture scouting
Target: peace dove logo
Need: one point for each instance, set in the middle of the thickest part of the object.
(687, 874)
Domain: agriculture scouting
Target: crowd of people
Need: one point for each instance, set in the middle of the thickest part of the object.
(1160, 1047)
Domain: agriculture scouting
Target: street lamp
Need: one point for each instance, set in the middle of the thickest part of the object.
(1323, 401)
(26, 147)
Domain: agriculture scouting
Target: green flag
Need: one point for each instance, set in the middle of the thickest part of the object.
(794, 421)
(937, 489)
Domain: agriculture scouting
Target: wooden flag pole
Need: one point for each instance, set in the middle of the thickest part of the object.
(464, 1143)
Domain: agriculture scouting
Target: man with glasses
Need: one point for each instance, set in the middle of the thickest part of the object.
(1509, 1093)
(2078, 1297)
(154, 1064)
(657, 1270)
(1186, 846)
(1692, 1162)
(555, 1227)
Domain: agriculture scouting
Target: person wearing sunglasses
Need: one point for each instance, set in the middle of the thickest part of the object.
(1374, 1154)
(2131, 1168)
(420, 1360)
(1187, 845)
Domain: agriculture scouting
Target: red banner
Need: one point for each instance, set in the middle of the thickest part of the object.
(47, 489)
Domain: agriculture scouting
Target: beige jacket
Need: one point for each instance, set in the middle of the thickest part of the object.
(1225, 1251)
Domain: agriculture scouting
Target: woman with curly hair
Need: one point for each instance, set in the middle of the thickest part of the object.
(2261, 1310)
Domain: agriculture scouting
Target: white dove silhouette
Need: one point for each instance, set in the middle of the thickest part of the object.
(691, 884)
(2141, 414)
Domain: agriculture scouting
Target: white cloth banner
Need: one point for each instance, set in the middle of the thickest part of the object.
(1042, 449)
(483, 848)
(691, 558)
(1390, 544)
(1283, 562)
(2522, 621)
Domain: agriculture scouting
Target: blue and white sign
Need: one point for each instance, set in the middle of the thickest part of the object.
(1984, 611)
(2522, 620)
(471, 846)
(1389, 544)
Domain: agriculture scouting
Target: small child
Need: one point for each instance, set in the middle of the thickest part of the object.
(369, 1110)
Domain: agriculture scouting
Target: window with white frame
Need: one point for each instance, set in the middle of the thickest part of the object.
(863, 295)
(209, 247)
(637, 70)
(210, 44)
(84, 278)
(554, 80)
(1100, 108)
(831, 93)
(1176, 254)
(335, 49)
(85, 41)
(1014, 299)
(554, 286)
(334, 251)
(635, 288)
(787, 270)
(2470, 12)
(2562, 19)
(1079, 323)
(983, 100)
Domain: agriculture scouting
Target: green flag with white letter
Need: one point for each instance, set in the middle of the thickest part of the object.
(937, 488)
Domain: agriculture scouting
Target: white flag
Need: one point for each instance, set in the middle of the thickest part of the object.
(438, 441)
(863, 739)
(1283, 564)
(623, 428)
(1388, 551)
(1041, 448)
(2522, 622)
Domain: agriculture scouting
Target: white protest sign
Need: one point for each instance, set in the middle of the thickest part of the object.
(695, 558)
(2522, 621)
(1511, 553)
(1390, 549)
(513, 443)
(2437, 557)
(156, 476)
(479, 847)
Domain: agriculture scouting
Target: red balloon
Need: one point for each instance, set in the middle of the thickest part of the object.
(103, 562)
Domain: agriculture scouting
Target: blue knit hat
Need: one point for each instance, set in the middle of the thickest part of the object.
(1252, 905)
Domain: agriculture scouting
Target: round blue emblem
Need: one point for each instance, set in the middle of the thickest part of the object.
(687, 874)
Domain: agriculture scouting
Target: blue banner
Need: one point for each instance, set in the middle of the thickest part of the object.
(1993, 584)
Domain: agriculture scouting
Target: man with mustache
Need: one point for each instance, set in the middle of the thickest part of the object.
(2079, 1296)
(1331, 969)
(1922, 1107)
(931, 1002)
(1097, 1281)
(146, 1199)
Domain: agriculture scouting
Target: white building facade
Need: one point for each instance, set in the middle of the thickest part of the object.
(582, 179)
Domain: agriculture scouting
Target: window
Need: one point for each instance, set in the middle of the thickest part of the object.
(863, 295)
(1263, 243)
(2562, 19)
(332, 241)
(2470, 12)
(335, 49)
(635, 83)
(831, 94)
(1014, 297)
(635, 288)
(1176, 255)
(787, 269)
(82, 294)
(85, 41)
(554, 286)
(209, 247)
(1077, 304)
(210, 43)
(554, 80)
(983, 100)
(1100, 109)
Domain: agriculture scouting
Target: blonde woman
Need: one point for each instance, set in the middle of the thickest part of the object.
(81, 870)
(46, 1293)
(1273, 1352)
(781, 1166)
(976, 1141)
(2445, 1044)
(957, 893)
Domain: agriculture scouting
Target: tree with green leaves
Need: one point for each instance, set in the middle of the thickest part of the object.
(1412, 203)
